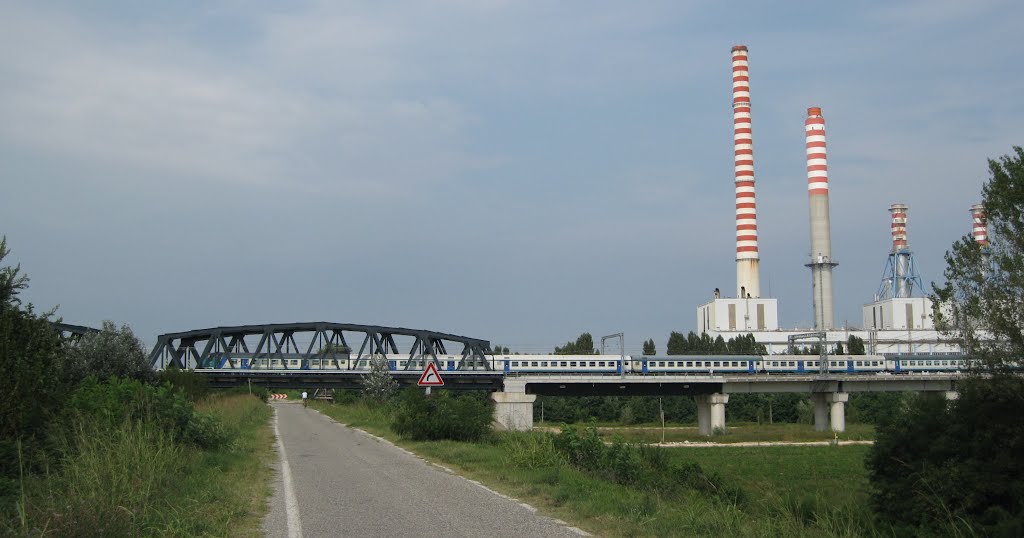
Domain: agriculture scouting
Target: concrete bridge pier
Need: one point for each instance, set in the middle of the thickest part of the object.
(820, 411)
(838, 402)
(711, 412)
(513, 407)
(830, 409)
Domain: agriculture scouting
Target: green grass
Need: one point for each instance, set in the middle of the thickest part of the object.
(790, 491)
(136, 480)
(736, 433)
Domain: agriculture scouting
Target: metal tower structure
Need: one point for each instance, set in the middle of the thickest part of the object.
(899, 277)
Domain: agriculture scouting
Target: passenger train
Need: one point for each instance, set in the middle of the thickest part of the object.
(615, 364)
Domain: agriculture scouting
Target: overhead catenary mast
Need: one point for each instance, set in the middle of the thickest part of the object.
(821, 228)
(748, 279)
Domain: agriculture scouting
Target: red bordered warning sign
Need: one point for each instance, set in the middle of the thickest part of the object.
(430, 377)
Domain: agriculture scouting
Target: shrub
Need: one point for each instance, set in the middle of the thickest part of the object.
(641, 466)
(939, 466)
(584, 451)
(108, 405)
(193, 385)
(465, 417)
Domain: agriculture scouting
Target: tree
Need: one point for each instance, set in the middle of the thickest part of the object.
(584, 345)
(111, 352)
(649, 348)
(937, 466)
(378, 384)
(979, 303)
(745, 345)
(32, 389)
(676, 344)
(498, 350)
(839, 349)
(855, 345)
(11, 283)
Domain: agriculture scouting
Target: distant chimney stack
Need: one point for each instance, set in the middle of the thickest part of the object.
(979, 224)
(748, 279)
(821, 228)
(898, 213)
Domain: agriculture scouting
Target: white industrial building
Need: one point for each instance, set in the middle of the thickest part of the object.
(895, 322)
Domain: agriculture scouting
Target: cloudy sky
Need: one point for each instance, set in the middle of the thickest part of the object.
(509, 170)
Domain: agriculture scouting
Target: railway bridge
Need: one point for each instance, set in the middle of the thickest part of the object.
(513, 393)
(829, 392)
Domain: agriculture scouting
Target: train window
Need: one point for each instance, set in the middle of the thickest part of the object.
(562, 364)
(600, 364)
(572, 364)
(533, 363)
(718, 364)
(689, 364)
(593, 364)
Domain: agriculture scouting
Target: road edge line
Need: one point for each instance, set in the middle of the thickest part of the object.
(291, 503)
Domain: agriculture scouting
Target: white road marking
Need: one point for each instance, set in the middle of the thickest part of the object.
(291, 504)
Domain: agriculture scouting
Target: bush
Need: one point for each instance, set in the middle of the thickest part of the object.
(641, 466)
(939, 466)
(32, 391)
(263, 393)
(466, 417)
(108, 405)
(193, 385)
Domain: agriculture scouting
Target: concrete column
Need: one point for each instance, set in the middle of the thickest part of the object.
(820, 411)
(718, 402)
(513, 411)
(703, 414)
(838, 402)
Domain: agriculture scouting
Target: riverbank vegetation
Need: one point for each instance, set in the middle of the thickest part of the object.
(94, 443)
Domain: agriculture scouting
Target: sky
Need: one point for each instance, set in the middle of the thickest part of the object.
(515, 171)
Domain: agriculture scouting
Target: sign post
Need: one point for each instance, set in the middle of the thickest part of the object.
(430, 378)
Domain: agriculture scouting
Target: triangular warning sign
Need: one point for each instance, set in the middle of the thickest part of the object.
(430, 377)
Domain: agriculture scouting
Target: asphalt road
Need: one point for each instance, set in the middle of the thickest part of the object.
(336, 481)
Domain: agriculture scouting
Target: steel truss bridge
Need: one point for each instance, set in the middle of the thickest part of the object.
(208, 348)
(72, 332)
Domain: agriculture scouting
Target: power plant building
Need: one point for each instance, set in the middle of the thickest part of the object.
(897, 321)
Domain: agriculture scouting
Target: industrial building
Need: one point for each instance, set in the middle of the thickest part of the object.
(899, 318)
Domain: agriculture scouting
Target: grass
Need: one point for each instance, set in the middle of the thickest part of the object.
(736, 433)
(790, 491)
(137, 480)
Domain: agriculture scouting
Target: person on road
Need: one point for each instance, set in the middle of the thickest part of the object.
(305, 399)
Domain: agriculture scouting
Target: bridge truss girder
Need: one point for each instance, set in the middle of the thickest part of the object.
(204, 348)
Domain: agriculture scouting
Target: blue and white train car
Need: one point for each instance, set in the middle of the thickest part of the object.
(924, 363)
(695, 364)
(582, 364)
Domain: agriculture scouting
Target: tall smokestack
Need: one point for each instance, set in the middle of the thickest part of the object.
(821, 229)
(899, 227)
(748, 276)
(900, 251)
(979, 228)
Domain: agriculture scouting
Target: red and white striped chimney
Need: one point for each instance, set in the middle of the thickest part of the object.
(821, 228)
(979, 225)
(899, 227)
(748, 279)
